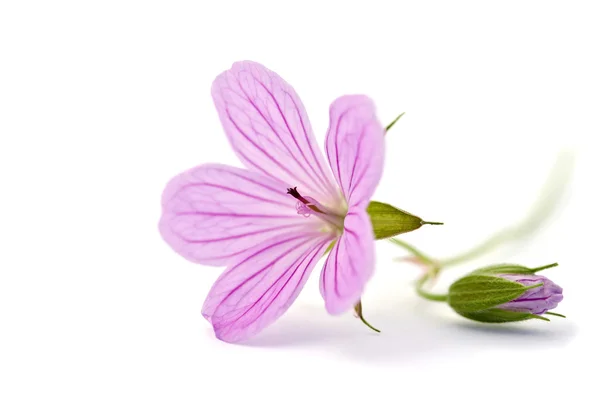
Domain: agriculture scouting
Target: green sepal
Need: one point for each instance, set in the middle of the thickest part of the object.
(504, 269)
(511, 269)
(390, 125)
(499, 316)
(477, 292)
(389, 221)
(359, 314)
(556, 314)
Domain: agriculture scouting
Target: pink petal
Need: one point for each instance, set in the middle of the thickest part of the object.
(252, 294)
(269, 130)
(213, 213)
(350, 263)
(355, 147)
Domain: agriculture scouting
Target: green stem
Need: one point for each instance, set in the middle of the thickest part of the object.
(413, 250)
(477, 251)
(548, 199)
(428, 295)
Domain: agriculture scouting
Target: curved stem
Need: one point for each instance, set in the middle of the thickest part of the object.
(549, 197)
(428, 295)
(479, 250)
(413, 250)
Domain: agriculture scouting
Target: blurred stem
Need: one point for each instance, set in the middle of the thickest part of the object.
(479, 250)
(547, 201)
(413, 250)
(428, 295)
(545, 205)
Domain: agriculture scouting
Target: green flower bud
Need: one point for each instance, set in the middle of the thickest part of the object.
(504, 293)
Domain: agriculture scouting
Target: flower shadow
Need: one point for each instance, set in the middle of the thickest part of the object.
(416, 330)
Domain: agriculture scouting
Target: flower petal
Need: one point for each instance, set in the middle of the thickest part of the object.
(350, 263)
(269, 129)
(355, 147)
(213, 213)
(252, 294)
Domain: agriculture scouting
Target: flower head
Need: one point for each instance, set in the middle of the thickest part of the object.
(270, 223)
(504, 293)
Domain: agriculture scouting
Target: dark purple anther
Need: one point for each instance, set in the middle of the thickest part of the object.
(310, 203)
(536, 300)
(307, 206)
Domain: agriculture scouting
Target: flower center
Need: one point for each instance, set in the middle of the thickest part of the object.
(307, 206)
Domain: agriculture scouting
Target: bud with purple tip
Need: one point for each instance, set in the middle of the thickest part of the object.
(505, 293)
(537, 300)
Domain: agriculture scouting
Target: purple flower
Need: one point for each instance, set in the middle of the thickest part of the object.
(536, 300)
(270, 223)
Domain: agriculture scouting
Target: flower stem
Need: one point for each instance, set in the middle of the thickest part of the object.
(433, 266)
(547, 202)
(428, 295)
(413, 250)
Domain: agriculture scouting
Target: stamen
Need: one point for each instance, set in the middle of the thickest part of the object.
(307, 206)
(294, 193)
(303, 210)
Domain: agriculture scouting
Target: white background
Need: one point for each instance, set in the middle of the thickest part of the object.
(102, 102)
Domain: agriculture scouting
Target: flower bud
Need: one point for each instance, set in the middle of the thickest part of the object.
(504, 293)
